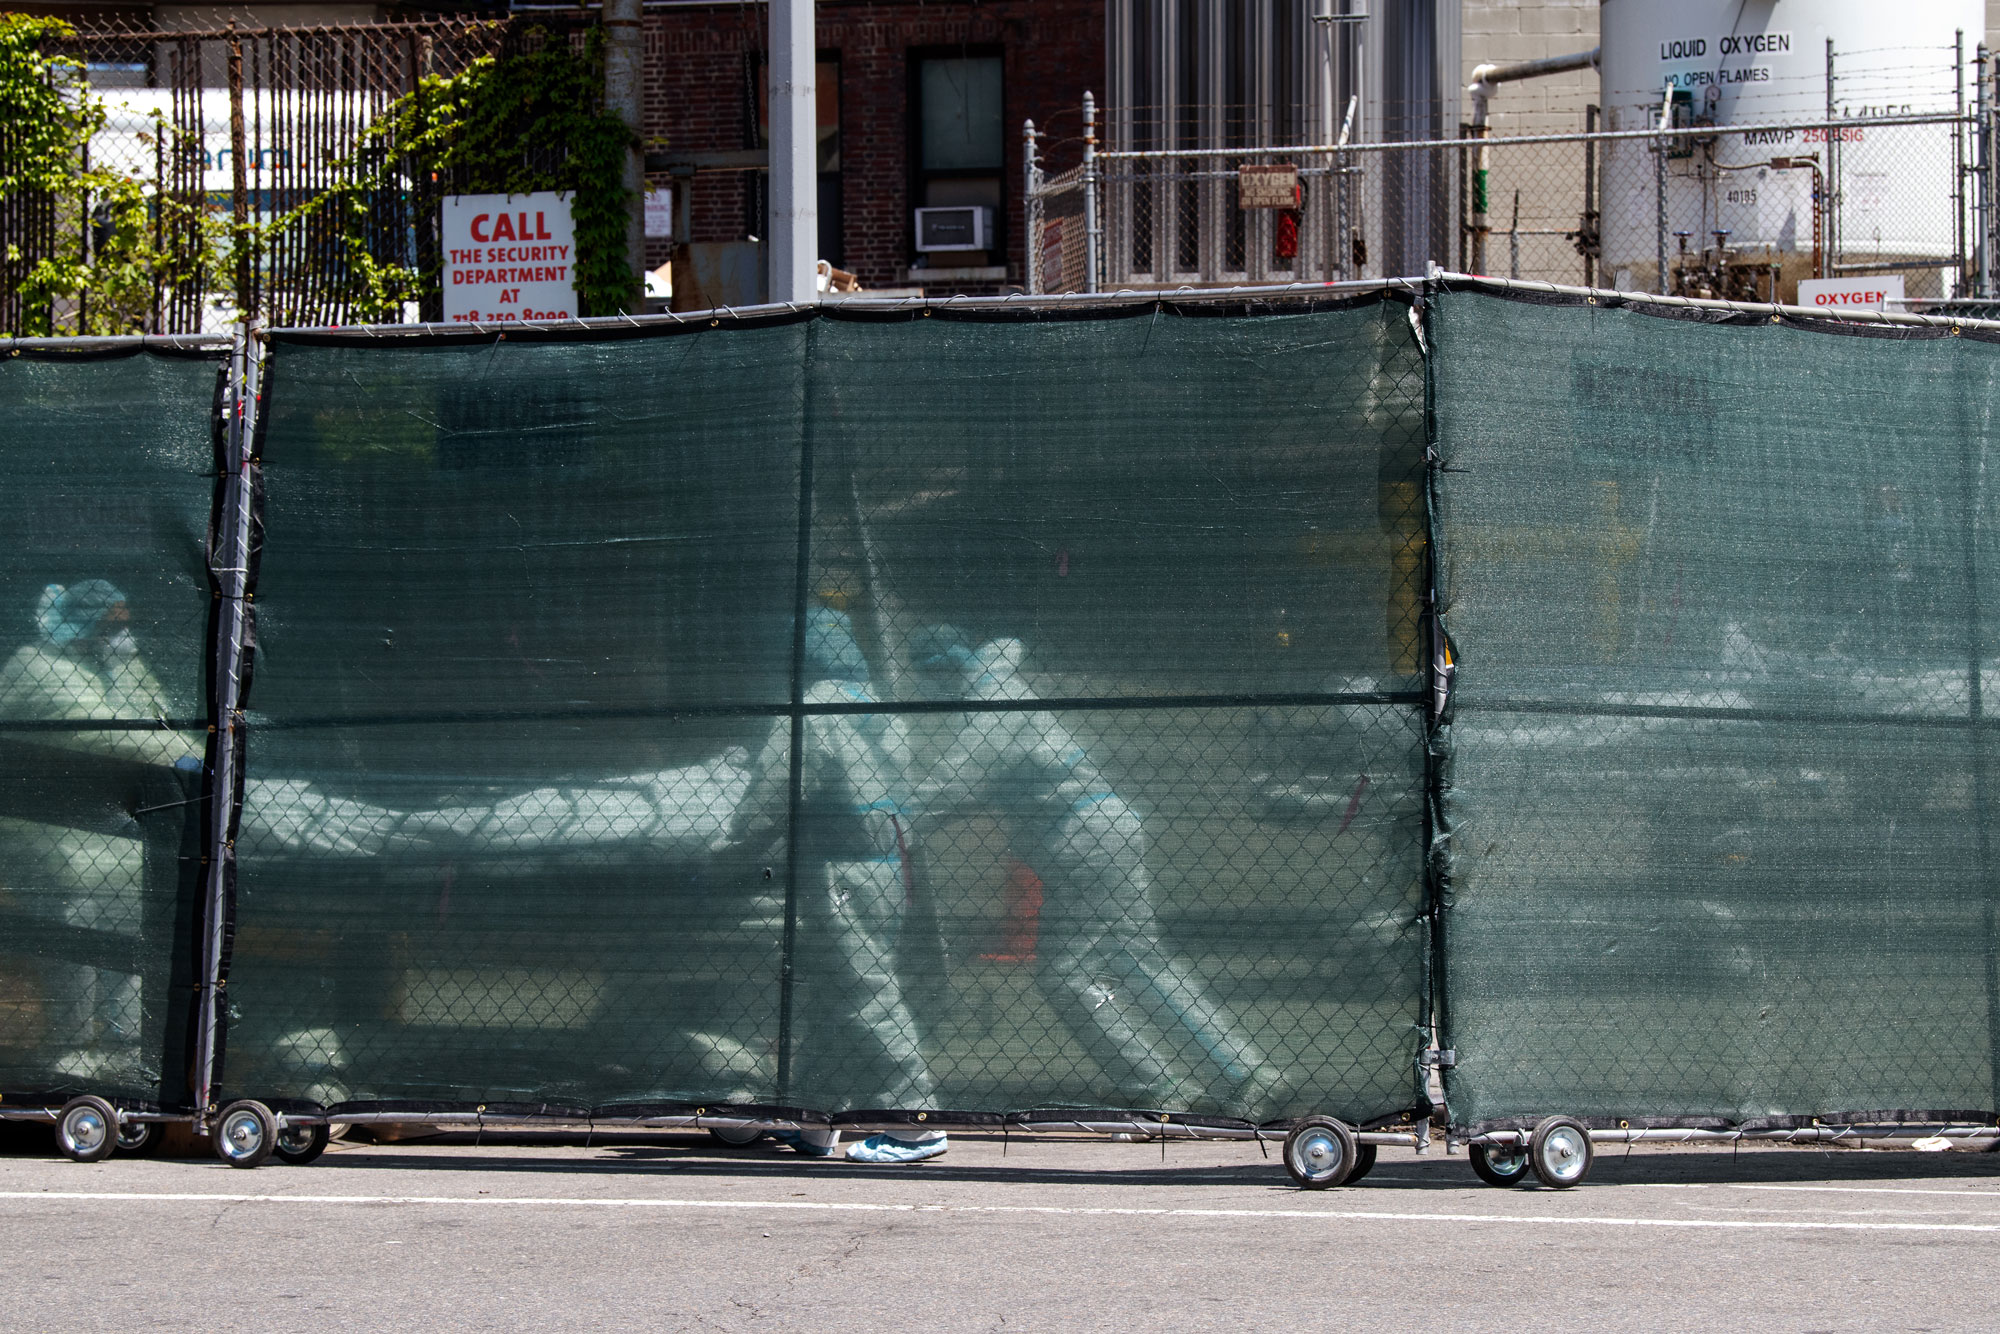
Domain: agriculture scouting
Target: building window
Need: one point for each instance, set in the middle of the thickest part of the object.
(959, 138)
(757, 201)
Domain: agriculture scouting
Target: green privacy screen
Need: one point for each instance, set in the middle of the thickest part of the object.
(107, 476)
(842, 713)
(1718, 807)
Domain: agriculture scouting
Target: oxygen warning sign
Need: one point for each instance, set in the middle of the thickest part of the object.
(509, 258)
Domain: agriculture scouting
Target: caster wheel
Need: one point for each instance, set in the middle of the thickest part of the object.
(299, 1145)
(140, 1138)
(735, 1137)
(87, 1130)
(1364, 1163)
(1559, 1152)
(1499, 1165)
(1320, 1152)
(245, 1134)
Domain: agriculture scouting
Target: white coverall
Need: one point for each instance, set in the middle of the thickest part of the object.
(1139, 1014)
(855, 887)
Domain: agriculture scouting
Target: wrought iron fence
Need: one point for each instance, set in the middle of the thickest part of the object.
(228, 130)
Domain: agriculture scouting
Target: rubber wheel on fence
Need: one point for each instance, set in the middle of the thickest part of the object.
(246, 1133)
(1364, 1163)
(1498, 1166)
(1559, 1152)
(1320, 1152)
(87, 1129)
(299, 1145)
(138, 1138)
(735, 1137)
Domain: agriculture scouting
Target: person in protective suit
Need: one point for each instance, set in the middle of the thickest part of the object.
(1140, 1015)
(858, 885)
(83, 666)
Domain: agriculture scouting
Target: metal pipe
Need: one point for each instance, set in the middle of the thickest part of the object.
(794, 240)
(1958, 162)
(1797, 1135)
(1485, 82)
(239, 199)
(230, 565)
(1982, 180)
(1031, 210)
(1090, 178)
(1651, 132)
(1832, 247)
(1660, 187)
(625, 98)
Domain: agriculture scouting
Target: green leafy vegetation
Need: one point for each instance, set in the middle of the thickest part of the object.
(117, 242)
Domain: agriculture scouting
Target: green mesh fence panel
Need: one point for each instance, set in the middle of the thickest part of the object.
(523, 651)
(1718, 815)
(1141, 828)
(1168, 855)
(106, 483)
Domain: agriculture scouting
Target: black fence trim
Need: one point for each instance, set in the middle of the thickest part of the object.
(114, 353)
(386, 338)
(1896, 333)
(1689, 314)
(1703, 713)
(836, 708)
(104, 724)
(1748, 315)
(1114, 305)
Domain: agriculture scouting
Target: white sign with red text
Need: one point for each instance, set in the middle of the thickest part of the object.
(509, 258)
(1851, 293)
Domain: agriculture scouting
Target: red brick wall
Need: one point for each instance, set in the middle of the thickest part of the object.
(1052, 50)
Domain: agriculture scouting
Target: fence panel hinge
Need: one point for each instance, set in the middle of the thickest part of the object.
(1447, 1059)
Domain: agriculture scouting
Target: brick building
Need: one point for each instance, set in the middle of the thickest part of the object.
(921, 103)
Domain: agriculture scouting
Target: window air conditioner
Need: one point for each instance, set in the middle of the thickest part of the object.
(969, 227)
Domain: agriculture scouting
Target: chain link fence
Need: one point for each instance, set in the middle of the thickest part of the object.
(1744, 213)
(1188, 707)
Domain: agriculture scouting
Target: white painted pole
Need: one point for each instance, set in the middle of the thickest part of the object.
(793, 245)
(625, 97)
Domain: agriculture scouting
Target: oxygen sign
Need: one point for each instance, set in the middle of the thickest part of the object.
(509, 258)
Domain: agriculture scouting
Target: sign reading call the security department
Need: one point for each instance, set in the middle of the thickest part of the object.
(509, 258)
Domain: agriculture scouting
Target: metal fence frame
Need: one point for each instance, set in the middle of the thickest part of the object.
(1142, 203)
(229, 562)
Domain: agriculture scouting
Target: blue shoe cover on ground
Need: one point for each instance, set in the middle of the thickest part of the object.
(889, 1149)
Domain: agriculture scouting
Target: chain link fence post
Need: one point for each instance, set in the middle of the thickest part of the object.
(1092, 220)
(229, 567)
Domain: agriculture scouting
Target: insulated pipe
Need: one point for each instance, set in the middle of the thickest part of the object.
(794, 241)
(1485, 82)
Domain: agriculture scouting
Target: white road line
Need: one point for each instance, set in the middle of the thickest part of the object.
(1830, 1190)
(810, 1206)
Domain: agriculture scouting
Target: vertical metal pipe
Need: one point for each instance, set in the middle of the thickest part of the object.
(239, 241)
(794, 240)
(1958, 165)
(625, 98)
(229, 564)
(1031, 210)
(1090, 219)
(1982, 181)
(1591, 213)
(1830, 252)
(1660, 189)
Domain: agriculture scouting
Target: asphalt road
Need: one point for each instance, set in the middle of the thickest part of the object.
(670, 1233)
